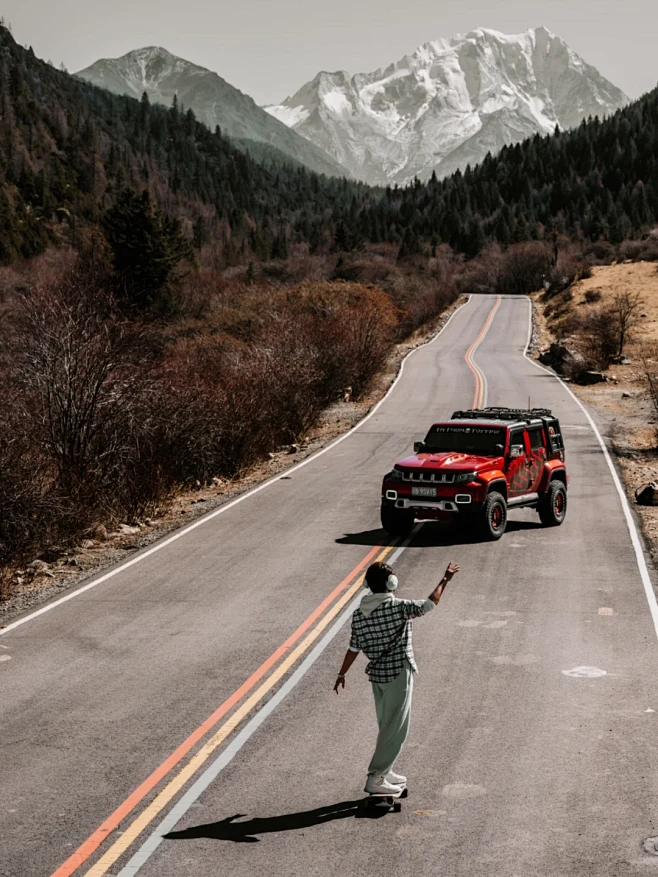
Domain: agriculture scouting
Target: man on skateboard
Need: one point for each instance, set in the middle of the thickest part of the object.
(381, 627)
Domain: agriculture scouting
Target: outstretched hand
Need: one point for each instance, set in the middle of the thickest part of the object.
(453, 569)
(340, 683)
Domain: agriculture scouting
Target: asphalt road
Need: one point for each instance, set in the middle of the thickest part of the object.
(514, 767)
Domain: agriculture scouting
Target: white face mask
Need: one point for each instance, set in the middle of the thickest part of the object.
(391, 583)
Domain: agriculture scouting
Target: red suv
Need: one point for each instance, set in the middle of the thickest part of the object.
(473, 468)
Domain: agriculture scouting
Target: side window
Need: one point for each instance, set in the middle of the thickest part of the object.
(536, 438)
(516, 442)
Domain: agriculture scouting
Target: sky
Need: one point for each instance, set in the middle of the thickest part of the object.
(270, 48)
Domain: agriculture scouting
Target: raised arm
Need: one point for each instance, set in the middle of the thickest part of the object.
(435, 596)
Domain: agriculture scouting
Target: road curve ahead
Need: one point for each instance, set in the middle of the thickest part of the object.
(190, 694)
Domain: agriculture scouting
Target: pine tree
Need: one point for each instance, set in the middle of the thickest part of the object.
(147, 247)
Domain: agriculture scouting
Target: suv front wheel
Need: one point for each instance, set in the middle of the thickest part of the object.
(493, 517)
(397, 522)
(553, 506)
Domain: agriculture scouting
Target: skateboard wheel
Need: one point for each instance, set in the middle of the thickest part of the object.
(397, 807)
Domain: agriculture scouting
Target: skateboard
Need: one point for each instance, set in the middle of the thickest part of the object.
(385, 803)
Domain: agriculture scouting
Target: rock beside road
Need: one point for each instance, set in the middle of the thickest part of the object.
(38, 566)
(591, 377)
(562, 358)
(647, 495)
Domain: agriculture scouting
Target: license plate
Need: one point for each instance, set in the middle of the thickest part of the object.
(423, 491)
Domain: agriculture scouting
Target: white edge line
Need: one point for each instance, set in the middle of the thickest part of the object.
(632, 529)
(224, 508)
(227, 755)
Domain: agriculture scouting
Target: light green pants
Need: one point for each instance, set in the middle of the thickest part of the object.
(393, 706)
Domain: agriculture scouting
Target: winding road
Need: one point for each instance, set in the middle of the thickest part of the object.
(175, 717)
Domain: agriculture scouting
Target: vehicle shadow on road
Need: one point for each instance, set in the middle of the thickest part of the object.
(244, 832)
(431, 535)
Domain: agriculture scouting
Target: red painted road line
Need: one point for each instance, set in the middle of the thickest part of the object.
(82, 854)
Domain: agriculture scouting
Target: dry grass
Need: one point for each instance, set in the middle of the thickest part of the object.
(612, 280)
(623, 404)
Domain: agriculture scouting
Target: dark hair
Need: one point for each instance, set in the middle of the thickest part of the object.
(377, 576)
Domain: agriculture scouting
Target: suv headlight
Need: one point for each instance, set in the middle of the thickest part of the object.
(465, 476)
(393, 475)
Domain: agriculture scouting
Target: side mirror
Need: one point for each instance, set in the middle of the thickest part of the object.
(516, 452)
(419, 447)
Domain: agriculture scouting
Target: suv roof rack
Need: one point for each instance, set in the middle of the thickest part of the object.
(499, 412)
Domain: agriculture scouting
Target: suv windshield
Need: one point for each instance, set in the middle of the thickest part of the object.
(480, 440)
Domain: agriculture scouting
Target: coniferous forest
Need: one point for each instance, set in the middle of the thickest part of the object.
(67, 149)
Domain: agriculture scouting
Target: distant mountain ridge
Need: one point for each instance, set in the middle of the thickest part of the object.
(214, 101)
(448, 103)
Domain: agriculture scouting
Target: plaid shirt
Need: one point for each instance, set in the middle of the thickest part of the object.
(385, 636)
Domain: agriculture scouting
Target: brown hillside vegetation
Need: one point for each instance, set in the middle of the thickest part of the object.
(109, 413)
(624, 402)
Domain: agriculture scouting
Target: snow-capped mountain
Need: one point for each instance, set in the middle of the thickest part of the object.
(448, 104)
(162, 75)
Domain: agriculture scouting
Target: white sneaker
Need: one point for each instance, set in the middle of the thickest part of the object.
(380, 786)
(396, 778)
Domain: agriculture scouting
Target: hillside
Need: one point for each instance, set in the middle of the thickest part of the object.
(214, 101)
(448, 104)
(599, 181)
(67, 148)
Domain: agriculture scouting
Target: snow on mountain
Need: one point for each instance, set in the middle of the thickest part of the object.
(162, 75)
(448, 104)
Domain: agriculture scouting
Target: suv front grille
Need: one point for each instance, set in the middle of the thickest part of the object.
(429, 477)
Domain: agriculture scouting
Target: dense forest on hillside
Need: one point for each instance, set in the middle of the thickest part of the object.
(67, 149)
(599, 181)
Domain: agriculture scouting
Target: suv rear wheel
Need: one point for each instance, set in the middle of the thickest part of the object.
(397, 522)
(493, 517)
(553, 506)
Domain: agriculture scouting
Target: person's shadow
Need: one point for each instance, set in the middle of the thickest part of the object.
(244, 832)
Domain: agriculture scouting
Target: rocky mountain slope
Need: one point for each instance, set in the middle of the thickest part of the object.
(214, 101)
(448, 104)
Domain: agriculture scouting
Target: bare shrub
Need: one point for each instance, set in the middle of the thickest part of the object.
(194, 296)
(592, 296)
(72, 361)
(76, 419)
(482, 274)
(651, 377)
(596, 336)
(600, 253)
(523, 268)
(599, 338)
(625, 310)
(352, 327)
(229, 404)
(569, 268)
(631, 250)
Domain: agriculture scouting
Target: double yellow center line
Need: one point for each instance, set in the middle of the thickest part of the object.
(480, 398)
(345, 591)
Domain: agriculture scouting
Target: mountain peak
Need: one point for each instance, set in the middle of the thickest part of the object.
(163, 75)
(448, 103)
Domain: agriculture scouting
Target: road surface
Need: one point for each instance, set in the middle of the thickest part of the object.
(196, 684)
